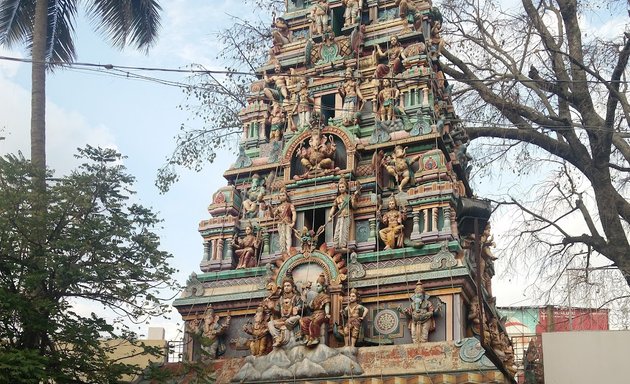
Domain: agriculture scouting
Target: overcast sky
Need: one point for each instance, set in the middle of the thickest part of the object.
(140, 119)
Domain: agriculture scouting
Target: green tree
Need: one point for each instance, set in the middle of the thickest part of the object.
(95, 246)
(46, 27)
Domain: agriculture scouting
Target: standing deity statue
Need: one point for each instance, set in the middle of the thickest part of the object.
(246, 248)
(487, 259)
(319, 306)
(388, 101)
(319, 17)
(353, 314)
(303, 104)
(395, 55)
(394, 231)
(285, 215)
(420, 314)
(285, 311)
(352, 12)
(318, 156)
(254, 199)
(343, 208)
(260, 342)
(399, 167)
(277, 120)
(210, 329)
(352, 98)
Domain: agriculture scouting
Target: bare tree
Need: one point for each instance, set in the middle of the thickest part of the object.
(533, 87)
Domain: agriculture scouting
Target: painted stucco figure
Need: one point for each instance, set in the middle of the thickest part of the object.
(286, 312)
(342, 209)
(353, 314)
(352, 97)
(394, 231)
(210, 328)
(420, 314)
(285, 215)
(246, 248)
(311, 325)
(260, 342)
(318, 156)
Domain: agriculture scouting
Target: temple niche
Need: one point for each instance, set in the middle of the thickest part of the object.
(338, 246)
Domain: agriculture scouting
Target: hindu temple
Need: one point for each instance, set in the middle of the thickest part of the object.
(346, 245)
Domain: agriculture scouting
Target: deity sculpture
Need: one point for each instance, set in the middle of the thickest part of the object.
(276, 85)
(319, 17)
(393, 234)
(280, 34)
(352, 12)
(388, 100)
(420, 313)
(318, 157)
(320, 313)
(408, 10)
(496, 342)
(277, 120)
(399, 167)
(285, 311)
(475, 319)
(395, 55)
(308, 238)
(487, 258)
(246, 248)
(285, 214)
(210, 329)
(351, 94)
(437, 43)
(303, 104)
(254, 198)
(343, 208)
(260, 342)
(353, 314)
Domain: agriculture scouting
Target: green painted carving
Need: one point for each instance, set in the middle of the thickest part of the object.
(471, 351)
(329, 53)
(363, 231)
(316, 257)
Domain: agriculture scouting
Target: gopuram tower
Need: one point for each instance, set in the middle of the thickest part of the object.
(341, 249)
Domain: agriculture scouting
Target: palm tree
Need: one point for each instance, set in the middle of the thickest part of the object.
(46, 27)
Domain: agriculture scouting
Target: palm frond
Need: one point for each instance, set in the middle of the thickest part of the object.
(16, 21)
(127, 22)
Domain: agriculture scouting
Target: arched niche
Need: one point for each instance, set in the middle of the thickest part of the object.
(344, 157)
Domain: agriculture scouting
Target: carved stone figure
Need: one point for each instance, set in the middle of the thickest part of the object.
(285, 215)
(393, 233)
(260, 342)
(254, 199)
(246, 248)
(408, 10)
(352, 97)
(303, 105)
(354, 314)
(475, 319)
(308, 238)
(277, 120)
(388, 100)
(210, 329)
(280, 34)
(276, 85)
(285, 313)
(395, 55)
(399, 167)
(343, 208)
(495, 338)
(352, 13)
(420, 314)
(320, 313)
(318, 157)
(319, 17)
(437, 43)
(487, 258)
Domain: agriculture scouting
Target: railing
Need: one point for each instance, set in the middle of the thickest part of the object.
(175, 351)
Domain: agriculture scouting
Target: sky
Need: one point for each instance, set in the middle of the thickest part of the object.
(140, 119)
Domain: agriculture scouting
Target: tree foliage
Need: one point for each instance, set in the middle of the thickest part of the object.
(215, 98)
(549, 96)
(93, 246)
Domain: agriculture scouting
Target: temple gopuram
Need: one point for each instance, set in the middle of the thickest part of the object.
(341, 249)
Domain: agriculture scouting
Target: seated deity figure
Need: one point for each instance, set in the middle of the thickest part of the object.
(352, 97)
(353, 314)
(318, 156)
(285, 312)
(254, 197)
(320, 313)
(211, 329)
(280, 34)
(319, 17)
(260, 342)
(276, 85)
(395, 55)
(393, 233)
(352, 13)
(420, 314)
(246, 248)
(343, 208)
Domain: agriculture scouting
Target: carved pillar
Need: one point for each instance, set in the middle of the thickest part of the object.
(220, 245)
(372, 235)
(213, 252)
(446, 212)
(416, 223)
(425, 214)
(265, 237)
(435, 213)
(425, 97)
(329, 231)
(335, 302)
(207, 251)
